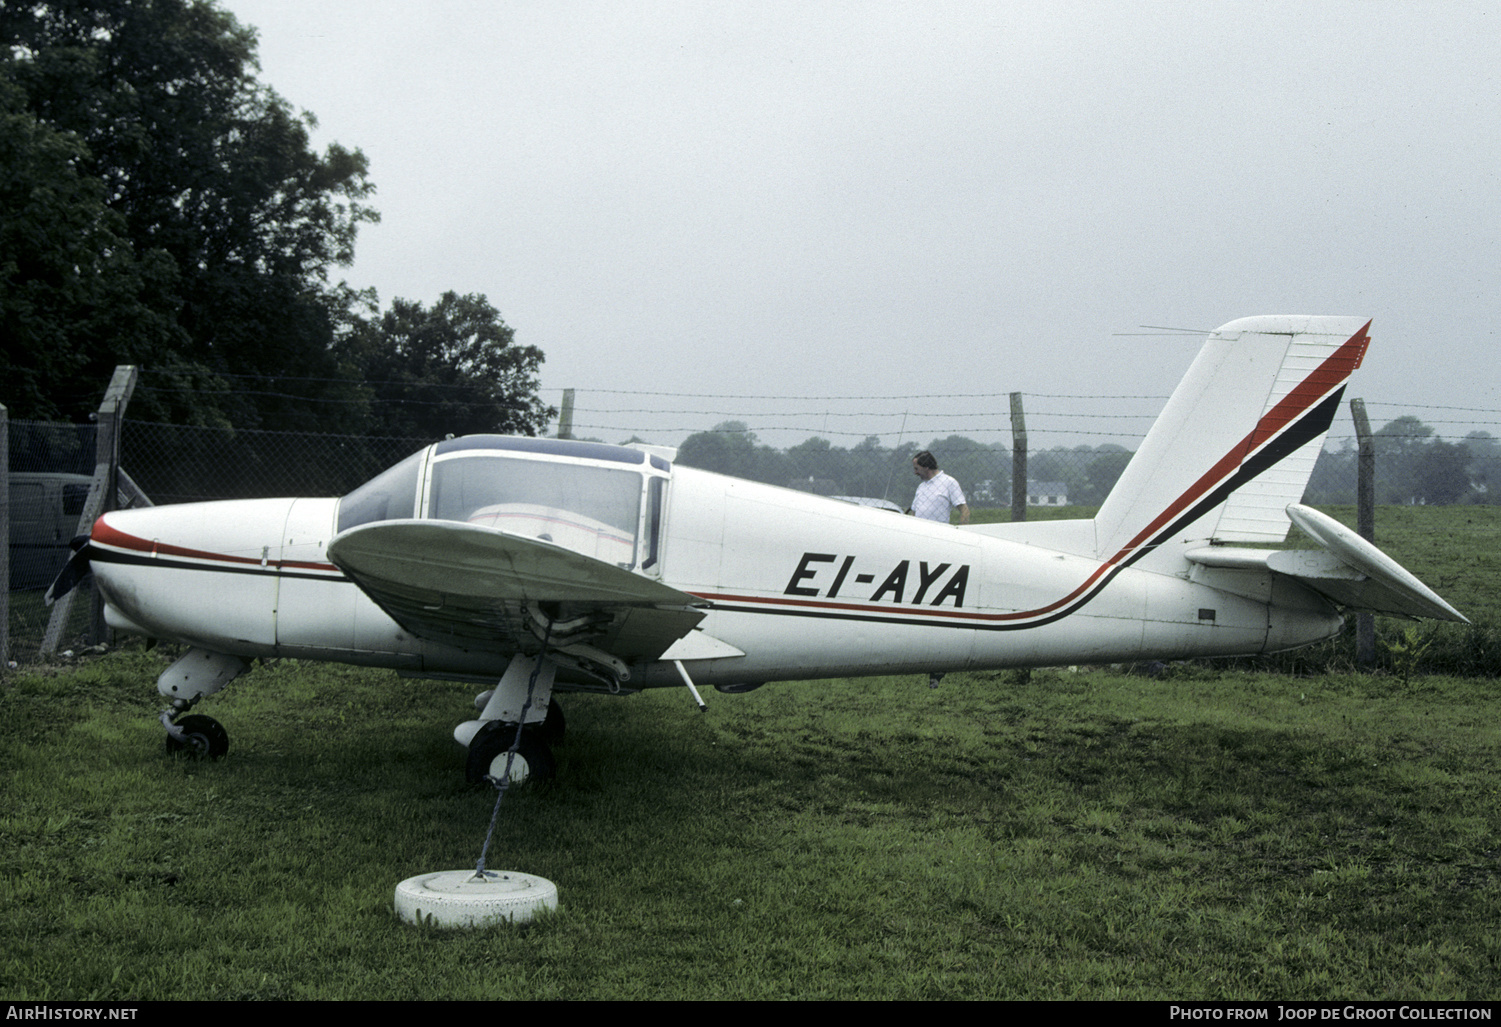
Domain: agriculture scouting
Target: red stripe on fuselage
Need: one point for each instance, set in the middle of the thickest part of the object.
(106, 534)
(915, 611)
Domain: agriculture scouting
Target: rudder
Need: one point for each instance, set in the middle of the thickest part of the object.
(1237, 440)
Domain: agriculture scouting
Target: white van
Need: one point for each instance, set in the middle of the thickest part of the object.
(44, 511)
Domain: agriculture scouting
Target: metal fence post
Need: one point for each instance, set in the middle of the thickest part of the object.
(1365, 520)
(1018, 459)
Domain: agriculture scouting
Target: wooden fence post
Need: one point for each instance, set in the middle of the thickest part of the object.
(1018, 459)
(102, 492)
(1365, 520)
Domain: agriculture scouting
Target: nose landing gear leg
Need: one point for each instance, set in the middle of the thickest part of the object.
(196, 674)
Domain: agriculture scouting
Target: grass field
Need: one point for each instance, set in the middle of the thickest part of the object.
(1077, 835)
(1209, 833)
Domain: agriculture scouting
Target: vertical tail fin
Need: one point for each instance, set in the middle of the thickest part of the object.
(1237, 440)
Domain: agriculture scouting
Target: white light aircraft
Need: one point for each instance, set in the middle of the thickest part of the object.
(554, 565)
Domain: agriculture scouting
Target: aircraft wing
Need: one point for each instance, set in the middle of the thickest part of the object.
(483, 588)
(1349, 571)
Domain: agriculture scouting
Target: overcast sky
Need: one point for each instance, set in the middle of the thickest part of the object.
(920, 207)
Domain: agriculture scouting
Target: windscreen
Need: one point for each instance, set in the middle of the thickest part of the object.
(590, 510)
(389, 496)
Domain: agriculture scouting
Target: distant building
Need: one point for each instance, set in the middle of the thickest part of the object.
(987, 491)
(1047, 493)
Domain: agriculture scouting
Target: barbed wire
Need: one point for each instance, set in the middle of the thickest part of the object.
(752, 429)
(905, 397)
(1405, 406)
(970, 415)
(606, 418)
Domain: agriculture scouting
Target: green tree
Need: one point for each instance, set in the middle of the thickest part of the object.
(1400, 446)
(213, 224)
(1060, 464)
(454, 368)
(1335, 475)
(1443, 473)
(1483, 445)
(70, 283)
(730, 447)
(881, 473)
(1485, 466)
(1414, 466)
(1103, 468)
(727, 448)
(819, 460)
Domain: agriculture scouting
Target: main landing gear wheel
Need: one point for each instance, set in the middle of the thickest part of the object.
(554, 727)
(464, 898)
(487, 755)
(203, 738)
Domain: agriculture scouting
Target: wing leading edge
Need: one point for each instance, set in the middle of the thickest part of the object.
(483, 588)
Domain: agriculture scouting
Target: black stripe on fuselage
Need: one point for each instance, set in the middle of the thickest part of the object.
(1301, 432)
(98, 555)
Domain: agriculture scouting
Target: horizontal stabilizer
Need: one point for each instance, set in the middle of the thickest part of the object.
(1390, 588)
(1349, 571)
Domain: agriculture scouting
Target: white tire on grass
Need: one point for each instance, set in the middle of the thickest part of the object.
(459, 898)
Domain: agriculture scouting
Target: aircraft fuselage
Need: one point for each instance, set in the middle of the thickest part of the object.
(803, 586)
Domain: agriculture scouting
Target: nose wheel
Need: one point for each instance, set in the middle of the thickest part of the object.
(197, 736)
(197, 674)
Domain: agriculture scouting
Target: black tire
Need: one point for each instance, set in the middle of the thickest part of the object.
(554, 727)
(492, 743)
(205, 738)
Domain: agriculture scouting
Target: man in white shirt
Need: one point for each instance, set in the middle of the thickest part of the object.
(937, 493)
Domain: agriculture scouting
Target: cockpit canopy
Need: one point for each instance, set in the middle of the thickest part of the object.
(603, 501)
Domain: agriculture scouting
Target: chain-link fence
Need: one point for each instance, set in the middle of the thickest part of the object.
(178, 464)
